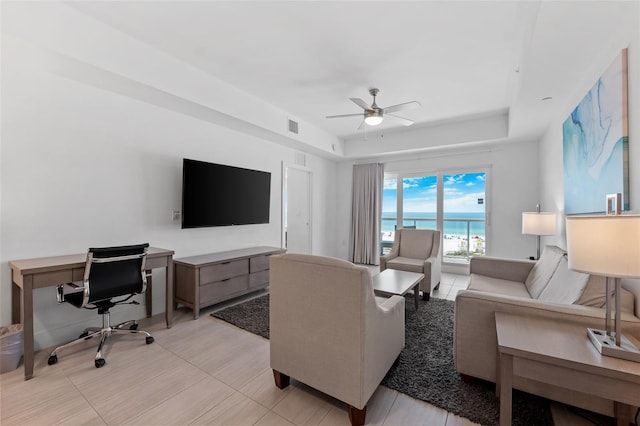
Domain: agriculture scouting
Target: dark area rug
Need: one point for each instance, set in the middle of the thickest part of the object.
(425, 369)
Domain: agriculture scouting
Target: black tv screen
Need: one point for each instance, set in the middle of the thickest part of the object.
(220, 195)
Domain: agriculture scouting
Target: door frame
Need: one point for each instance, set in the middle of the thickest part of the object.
(283, 234)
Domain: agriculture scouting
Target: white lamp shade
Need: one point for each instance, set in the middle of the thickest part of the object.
(538, 223)
(604, 245)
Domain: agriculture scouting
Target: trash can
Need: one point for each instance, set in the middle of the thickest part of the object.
(11, 347)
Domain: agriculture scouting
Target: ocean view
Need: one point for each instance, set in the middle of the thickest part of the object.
(454, 223)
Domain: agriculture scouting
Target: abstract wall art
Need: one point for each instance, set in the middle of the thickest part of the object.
(596, 144)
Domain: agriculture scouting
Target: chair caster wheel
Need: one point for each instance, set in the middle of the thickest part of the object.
(133, 327)
(83, 335)
(53, 359)
(100, 362)
(149, 340)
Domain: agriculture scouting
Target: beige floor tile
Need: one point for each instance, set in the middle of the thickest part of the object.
(453, 420)
(303, 406)
(118, 408)
(272, 419)
(61, 409)
(27, 396)
(337, 416)
(379, 405)
(409, 411)
(263, 390)
(236, 410)
(186, 406)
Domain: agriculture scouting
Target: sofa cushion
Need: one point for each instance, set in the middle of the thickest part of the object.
(566, 286)
(595, 295)
(406, 264)
(543, 270)
(498, 286)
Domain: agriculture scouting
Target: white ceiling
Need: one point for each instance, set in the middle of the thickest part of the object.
(459, 59)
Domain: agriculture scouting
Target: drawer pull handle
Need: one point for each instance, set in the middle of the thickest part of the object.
(225, 263)
(225, 280)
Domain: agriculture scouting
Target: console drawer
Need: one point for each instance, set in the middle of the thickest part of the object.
(259, 263)
(223, 271)
(259, 279)
(211, 293)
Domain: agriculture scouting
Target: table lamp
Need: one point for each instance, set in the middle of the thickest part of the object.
(538, 223)
(607, 245)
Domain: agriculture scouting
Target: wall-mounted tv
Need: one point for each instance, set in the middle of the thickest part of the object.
(221, 195)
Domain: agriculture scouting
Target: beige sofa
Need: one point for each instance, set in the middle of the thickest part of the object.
(416, 250)
(329, 331)
(546, 288)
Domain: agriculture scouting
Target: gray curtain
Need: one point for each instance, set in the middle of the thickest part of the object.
(366, 207)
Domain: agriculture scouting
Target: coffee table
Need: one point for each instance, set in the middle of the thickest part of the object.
(562, 355)
(393, 282)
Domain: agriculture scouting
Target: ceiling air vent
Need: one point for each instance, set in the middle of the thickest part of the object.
(293, 126)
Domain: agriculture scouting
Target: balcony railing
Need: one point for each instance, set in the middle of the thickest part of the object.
(456, 246)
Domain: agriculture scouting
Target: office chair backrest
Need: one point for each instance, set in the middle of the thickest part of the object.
(115, 271)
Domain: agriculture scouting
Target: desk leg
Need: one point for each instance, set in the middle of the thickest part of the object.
(148, 295)
(622, 413)
(26, 305)
(16, 309)
(169, 302)
(506, 383)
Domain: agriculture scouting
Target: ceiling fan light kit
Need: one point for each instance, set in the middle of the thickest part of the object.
(373, 115)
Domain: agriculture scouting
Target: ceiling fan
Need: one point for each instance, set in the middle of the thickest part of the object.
(373, 115)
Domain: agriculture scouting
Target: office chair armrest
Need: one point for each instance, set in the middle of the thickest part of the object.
(75, 287)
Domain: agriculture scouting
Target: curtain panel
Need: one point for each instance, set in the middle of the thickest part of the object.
(366, 206)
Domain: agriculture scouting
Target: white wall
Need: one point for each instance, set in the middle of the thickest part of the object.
(512, 189)
(93, 157)
(551, 165)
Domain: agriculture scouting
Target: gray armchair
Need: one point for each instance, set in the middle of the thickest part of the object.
(329, 331)
(416, 250)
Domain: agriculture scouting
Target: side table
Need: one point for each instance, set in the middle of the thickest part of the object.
(561, 354)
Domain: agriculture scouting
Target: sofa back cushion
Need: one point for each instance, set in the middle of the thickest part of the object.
(415, 243)
(543, 270)
(595, 295)
(566, 286)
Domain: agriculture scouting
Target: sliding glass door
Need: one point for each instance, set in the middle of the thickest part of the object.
(454, 203)
(464, 216)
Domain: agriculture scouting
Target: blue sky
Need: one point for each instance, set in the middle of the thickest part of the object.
(461, 193)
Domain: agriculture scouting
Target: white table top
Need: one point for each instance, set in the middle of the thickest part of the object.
(392, 281)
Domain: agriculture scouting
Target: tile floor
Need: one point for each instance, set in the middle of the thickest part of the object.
(198, 372)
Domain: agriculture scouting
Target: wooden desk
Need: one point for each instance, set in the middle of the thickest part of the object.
(561, 354)
(30, 274)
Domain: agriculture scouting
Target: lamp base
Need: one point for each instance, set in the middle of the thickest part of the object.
(607, 346)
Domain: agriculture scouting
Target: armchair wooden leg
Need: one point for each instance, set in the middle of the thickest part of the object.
(357, 417)
(426, 296)
(282, 380)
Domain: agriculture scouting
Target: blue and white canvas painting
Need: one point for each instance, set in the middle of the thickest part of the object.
(596, 144)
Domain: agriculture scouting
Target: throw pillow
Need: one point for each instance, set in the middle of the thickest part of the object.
(566, 286)
(543, 270)
(595, 295)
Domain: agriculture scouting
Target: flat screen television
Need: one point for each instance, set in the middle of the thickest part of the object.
(221, 195)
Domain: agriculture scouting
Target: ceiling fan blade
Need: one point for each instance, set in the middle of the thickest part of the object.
(361, 125)
(345, 115)
(362, 104)
(402, 107)
(401, 120)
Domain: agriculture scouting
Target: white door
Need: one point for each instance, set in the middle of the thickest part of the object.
(296, 199)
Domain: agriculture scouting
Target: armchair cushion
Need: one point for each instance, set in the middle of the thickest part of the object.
(406, 264)
(497, 285)
(414, 245)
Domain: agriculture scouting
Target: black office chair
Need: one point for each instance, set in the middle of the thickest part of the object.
(110, 272)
